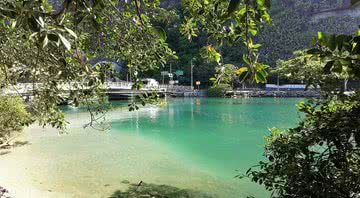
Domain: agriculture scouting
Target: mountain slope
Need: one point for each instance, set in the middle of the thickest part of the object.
(296, 22)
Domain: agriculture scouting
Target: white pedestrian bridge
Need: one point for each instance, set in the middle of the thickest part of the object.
(121, 88)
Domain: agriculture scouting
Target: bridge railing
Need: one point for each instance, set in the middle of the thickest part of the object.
(28, 88)
(120, 84)
(176, 88)
(20, 88)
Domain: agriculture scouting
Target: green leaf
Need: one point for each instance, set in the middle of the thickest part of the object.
(213, 54)
(253, 32)
(41, 22)
(33, 35)
(212, 79)
(261, 2)
(321, 37)
(13, 24)
(246, 59)
(259, 77)
(256, 46)
(45, 41)
(65, 42)
(72, 33)
(241, 70)
(160, 32)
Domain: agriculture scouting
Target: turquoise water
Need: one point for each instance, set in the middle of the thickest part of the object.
(190, 143)
(211, 140)
(224, 135)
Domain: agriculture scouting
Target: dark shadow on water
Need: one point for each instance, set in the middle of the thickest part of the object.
(144, 190)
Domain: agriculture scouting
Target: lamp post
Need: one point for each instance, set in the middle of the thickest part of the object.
(278, 83)
(163, 74)
(192, 77)
(171, 75)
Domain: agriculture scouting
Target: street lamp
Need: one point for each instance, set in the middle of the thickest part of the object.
(198, 84)
(192, 76)
(171, 74)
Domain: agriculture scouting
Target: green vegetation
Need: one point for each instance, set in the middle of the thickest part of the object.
(52, 47)
(218, 90)
(13, 117)
(304, 68)
(319, 157)
(294, 26)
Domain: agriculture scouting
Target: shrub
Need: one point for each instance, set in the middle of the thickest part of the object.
(319, 157)
(13, 116)
(218, 90)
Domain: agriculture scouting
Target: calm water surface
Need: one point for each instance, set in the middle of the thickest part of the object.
(223, 135)
(193, 143)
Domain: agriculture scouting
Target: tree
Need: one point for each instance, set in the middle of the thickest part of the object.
(225, 74)
(51, 47)
(309, 70)
(13, 117)
(225, 22)
(319, 157)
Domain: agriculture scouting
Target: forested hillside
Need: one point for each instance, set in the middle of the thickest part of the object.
(294, 25)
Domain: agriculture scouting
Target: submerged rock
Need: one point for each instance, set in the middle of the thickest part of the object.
(158, 191)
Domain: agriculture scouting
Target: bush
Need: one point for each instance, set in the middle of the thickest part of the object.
(218, 90)
(13, 116)
(319, 157)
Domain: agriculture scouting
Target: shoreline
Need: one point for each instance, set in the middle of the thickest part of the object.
(254, 93)
(275, 94)
(98, 163)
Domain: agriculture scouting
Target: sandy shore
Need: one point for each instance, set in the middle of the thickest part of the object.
(88, 163)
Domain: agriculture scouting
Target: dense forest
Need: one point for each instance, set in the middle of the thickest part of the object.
(294, 25)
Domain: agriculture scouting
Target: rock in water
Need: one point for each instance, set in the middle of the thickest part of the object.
(158, 191)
